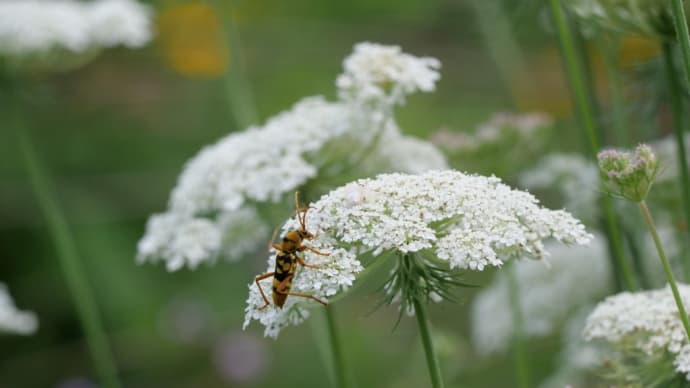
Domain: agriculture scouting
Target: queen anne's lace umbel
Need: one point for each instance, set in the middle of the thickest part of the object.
(469, 221)
(315, 138)
(262, 163)
(29, 27)
(376, 72)
(646, 321)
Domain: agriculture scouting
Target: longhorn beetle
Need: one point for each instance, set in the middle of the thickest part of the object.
(287, 259)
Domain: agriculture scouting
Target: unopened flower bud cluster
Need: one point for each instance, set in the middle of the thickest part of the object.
(627, 174)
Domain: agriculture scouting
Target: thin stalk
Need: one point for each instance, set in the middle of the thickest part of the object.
(353, 162)
(369, 268)
(235, 82)
(683, 36)
(667, 267)
(679, 125)
(617, 279)
(519, 351)
(638, 260)
(585, 63)
(575, 74)
(585, 112)
(425, 333)
(615, 241)
(69, 261)
(374, 142)
(609, 48)
(339, 367)
(504, 49)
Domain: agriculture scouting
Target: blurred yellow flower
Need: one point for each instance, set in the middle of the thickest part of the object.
(191, 37)
(542, 88)
(635, 49)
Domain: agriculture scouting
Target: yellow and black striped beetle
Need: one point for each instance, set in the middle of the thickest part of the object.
(287, 259)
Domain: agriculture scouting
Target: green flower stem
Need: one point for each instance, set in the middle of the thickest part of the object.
(683, 36)
(370, 270)
(339, 367)
(632, 242)
(679, 126)
(613, 235)
(609, 49)
(496, 30)
(667, 267)
(373, 143)
(235, 82)
(520, 354)
(425, 333)
(575, 75)
(69, 261)
(585, 111)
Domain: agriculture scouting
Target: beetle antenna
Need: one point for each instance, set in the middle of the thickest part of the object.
(273, 238)
(304, 219)
(300, 217)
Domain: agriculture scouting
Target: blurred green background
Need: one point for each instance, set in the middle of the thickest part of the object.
(115, 133)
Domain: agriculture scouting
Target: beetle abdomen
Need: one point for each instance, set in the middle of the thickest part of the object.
(286, 265)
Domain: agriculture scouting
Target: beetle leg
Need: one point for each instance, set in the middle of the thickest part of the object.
(262, 277)
(308, 296)
(281, 290)
(308, 248)
(304, 264)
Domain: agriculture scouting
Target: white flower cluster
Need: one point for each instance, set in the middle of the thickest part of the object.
(485, 221)
(313, 139)
(13, 320)
(375, 72)
(646, 321)
(261, 163)
(576, 179)
(499, 128)
(37, 26)
(336, 273)
(469, 221)
(548, 293)
(182, 240)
